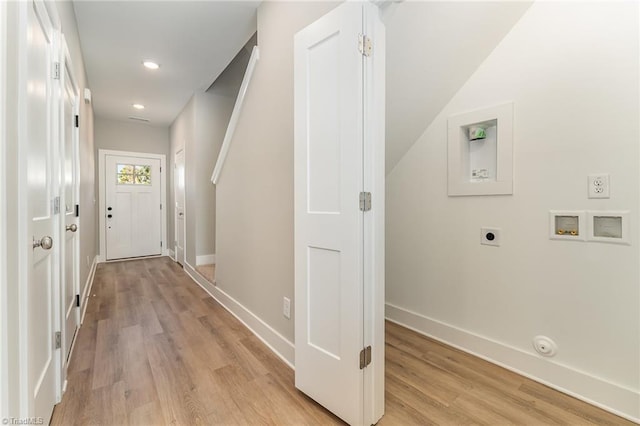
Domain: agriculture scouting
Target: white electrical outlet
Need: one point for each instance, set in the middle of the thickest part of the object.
(286, 308)
(598, 185)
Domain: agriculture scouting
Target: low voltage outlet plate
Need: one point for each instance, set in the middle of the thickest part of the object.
(490, 236)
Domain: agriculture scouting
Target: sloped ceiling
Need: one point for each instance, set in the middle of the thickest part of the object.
(192, 40)
(432, 49)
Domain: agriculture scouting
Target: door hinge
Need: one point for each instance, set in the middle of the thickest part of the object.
(160, 169)
(77, 210)
(365, 201)
(365, 357)
(77, 300)
(365, 45)
(56, 205)
(56, 70)
(77, 120)
(160, 244)
(160, 206)
(58, 338)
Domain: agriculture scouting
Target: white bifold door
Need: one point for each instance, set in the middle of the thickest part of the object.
(133, 216)
(339, 234)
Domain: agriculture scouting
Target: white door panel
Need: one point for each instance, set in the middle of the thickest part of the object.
(179, 192)
(133, 211)
(328, 222)
(39, 295)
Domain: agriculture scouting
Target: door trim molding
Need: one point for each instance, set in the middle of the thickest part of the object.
(102, 153)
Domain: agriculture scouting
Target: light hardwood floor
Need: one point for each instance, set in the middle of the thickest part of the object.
(156, 349)
(207, 271)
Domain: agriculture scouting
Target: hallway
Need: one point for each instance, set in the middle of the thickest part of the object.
(156, 349)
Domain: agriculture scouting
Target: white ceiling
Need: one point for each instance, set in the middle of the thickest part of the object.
(193, 41)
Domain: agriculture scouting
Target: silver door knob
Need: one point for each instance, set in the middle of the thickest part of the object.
(73, 227)
(45, 242)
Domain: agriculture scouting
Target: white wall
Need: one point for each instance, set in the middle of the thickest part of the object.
(433, 47)
(571, 69)
(131, 136)
(212, 117)
(199, 130)
(255, 191)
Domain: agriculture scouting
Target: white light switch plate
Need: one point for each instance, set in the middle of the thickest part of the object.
(286, 307)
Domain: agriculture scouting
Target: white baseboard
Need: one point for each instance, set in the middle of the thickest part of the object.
(275, 341)
(609, 396)
(170, 253)
(87, 287)
(206, 259)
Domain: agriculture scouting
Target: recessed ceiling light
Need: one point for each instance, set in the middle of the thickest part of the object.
(151, 65)
(138, 106)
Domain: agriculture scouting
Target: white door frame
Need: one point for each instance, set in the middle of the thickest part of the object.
(102, 153)
(65, 60)
(374, 220)
(4, 342)
(184, 208)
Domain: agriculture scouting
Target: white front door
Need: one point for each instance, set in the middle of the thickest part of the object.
(332, 280)
(178, 180)
(41, 241)
(69, 231)
(133, 207)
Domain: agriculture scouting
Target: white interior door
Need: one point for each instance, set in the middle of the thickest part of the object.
(329, 287)
(179, 180)
(41, 243)
(133, 207)
(69, 172)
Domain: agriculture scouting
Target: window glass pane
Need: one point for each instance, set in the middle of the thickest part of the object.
(124, 168)
(124, 178)
(143, 175)
(143, 180)
(146, 170)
